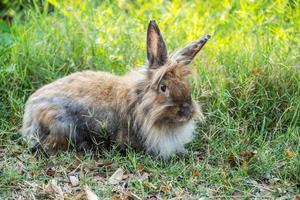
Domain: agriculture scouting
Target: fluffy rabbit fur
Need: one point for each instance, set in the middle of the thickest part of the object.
(150, 109)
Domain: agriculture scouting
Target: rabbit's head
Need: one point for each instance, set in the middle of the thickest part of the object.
(165, 94)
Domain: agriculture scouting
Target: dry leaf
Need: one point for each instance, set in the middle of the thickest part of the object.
(274, 180)
(143, 177)
(50, 171)
(126, 176)
(48, 188)
(99, 179)
(116, 177)
(20, 198)
(179, 192)
(166, 187)
(195, 173)
(31, 174)
(152, 197)
(290, 154)
(66, 188)
(260, 186)
(150, 185)
(242, 159)
(90, 194)
(255, 71)
(56, 188)
(74, 180)
(140, 168)
(129, 196)
(21, 165)
(116, 198)
(79, 196)
(247, 155)
(76, 190)
(134, 196)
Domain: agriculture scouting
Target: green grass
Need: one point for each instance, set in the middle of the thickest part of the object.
(247, 78)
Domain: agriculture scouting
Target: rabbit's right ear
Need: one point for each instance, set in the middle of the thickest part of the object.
(156, 49)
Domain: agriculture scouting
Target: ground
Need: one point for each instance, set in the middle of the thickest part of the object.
(246, 78)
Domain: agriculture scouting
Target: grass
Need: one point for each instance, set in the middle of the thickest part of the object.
(247, 78)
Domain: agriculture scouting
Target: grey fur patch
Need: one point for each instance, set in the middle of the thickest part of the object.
(82, 125)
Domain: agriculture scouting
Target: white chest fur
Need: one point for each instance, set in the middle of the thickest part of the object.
(165, 142)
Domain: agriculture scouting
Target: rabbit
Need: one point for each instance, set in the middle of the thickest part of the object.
(150, 109)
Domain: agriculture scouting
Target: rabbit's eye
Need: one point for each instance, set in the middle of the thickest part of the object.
(163, 87)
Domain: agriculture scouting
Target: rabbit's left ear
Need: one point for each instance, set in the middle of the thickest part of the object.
(187, 54)
(156, 49)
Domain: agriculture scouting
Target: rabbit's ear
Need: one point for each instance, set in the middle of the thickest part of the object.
(156, 49)
(187, 54)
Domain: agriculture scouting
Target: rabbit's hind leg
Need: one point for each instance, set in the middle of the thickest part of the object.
(48, 127)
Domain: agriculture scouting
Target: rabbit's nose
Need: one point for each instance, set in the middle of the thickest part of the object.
(185, 105)
(185, 110)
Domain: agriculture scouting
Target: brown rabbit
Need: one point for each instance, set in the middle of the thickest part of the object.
(149, 109)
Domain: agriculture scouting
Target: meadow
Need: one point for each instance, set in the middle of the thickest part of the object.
(247, 79)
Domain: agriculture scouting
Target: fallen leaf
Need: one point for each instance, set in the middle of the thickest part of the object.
(241, 159)
(66, 188)
(274, 180)
(48, 188)
(88, 167)
(90, 194)
(116, 177)
(20, 198)
(152, 197)
(99, 179)
(179, 192)
(195, 173)
(129, 196)
(140, 168)
(74, 180)
(247, 155)
(134, 196)
(50, 171)
(262, 187)
(79, 196)
(143, 177)
(255, 71)
(76, 189)
(127, 175)
(31, 174)
(116, 198)
(166, 187)
(56, 188)
(237, 195)
(290, 154)
(150, 185)
(224, 174)
(21, 165)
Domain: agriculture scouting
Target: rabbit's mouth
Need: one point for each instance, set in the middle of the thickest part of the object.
(184, 119)
(175, 121)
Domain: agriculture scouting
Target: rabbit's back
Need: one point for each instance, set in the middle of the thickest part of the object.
(88, 87)
(74, 110)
